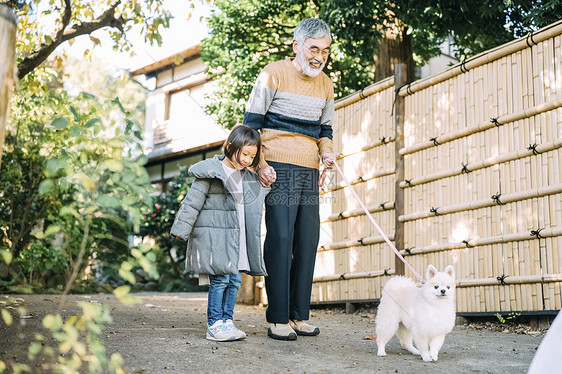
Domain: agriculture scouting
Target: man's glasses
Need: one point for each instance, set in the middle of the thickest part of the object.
(315, 51)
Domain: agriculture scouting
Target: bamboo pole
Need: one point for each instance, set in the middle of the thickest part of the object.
(367, 91)
(485, 57)
(400, 79)
(483, 126)
(363, 178)
(505, 199)
(490, 161)
(349, 276)
(524, 279)
(382, 141)
(388, 205)
(497, 239)
(354, 243)
(7, 67)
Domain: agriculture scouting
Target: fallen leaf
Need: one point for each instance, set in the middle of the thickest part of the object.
(370, 337)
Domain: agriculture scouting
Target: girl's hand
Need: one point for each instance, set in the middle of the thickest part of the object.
(267, 175)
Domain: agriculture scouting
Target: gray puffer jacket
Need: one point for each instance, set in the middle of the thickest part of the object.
(208, 221)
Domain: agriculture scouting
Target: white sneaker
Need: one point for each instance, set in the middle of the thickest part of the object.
(239, 334)
(219, 332)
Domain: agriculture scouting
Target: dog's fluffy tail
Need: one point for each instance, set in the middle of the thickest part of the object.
(398, 282)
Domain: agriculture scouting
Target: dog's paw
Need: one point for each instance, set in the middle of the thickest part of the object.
(381, 353)
(434, 356)
(426, 357)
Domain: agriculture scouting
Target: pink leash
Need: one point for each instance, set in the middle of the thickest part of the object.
(373, 220)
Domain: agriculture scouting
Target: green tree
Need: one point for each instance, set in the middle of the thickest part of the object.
(89, 186)
(369, 38)
(31, 143)
(73, 184)
(42, 29)
(544, 12)
(248, 34)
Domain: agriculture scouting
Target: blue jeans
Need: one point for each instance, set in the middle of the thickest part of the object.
(222, 296)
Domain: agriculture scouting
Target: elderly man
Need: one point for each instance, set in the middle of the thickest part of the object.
(292, 105)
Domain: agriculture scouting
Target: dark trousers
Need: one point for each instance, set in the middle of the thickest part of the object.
(293, 227)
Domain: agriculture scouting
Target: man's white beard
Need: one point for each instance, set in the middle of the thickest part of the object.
(306, 68)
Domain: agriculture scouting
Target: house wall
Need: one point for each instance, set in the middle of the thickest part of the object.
(176, 122)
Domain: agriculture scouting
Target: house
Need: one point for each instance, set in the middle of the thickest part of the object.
(178, 132)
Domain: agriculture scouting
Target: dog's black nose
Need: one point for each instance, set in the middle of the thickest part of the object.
(443, 291)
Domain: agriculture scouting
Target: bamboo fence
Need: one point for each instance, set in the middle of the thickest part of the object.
(7, 66)
(469, 174)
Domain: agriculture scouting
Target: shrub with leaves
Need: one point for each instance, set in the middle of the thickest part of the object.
(79, 345)
(88, 190)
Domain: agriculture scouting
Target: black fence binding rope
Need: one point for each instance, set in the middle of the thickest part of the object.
(501, 279)
(530, 37)
(537, 233)
(533, 147)
(494, 120)
(496, 198)
(435, 142)
(463, 66)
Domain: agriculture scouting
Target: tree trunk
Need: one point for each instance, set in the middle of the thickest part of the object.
(7, 65)
(394, 49)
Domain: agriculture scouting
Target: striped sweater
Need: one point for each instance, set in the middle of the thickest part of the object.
(294, 113)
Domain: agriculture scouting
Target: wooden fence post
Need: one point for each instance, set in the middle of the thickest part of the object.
(400, 79)
(7, 65)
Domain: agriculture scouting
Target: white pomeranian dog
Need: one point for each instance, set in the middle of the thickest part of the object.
(420, 316)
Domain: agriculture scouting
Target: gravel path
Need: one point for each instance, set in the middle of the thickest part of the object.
(166, 334)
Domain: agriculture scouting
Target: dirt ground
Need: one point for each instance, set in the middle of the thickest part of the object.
(166, 334)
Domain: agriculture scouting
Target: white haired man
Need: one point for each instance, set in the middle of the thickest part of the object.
(292, 105)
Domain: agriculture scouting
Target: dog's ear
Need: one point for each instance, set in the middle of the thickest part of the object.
(450, 270)
(431, 271)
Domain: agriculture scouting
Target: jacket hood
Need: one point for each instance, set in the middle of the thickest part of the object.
(209, 168)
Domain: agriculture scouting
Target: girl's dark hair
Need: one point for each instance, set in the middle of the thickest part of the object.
(239, 137)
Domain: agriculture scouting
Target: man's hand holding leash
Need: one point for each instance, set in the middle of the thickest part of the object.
(328, 159)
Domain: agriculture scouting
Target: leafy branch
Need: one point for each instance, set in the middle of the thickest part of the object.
(37, 57)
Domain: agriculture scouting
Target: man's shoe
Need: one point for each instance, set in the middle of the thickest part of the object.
(303, 328)
(219, 332)
(238, 334)
(281, 331)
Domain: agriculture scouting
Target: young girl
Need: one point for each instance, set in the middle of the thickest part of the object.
(220, 218)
